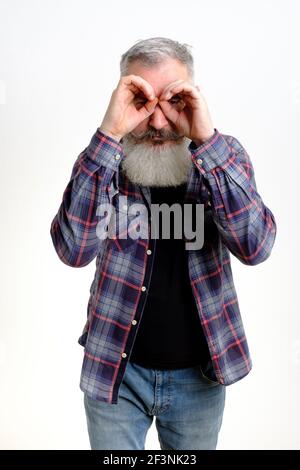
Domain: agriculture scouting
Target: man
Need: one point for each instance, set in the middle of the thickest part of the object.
(164, 334)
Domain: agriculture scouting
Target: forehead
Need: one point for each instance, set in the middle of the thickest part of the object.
(160, 75)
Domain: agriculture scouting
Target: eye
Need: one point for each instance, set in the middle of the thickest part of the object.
(139, 101)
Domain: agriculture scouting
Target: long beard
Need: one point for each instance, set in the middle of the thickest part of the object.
(151, 164)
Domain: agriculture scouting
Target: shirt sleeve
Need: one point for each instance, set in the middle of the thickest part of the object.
(247, 226)
(94, 181)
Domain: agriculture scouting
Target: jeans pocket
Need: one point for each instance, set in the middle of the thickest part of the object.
(208, 373)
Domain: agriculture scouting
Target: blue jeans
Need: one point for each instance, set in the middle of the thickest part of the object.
(188, 408)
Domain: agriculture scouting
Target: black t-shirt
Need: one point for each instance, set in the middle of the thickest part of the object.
(170, 335)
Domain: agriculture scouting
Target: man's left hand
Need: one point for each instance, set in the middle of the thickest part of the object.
(190, 115)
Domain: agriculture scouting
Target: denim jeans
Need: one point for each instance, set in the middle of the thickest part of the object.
(188, 408)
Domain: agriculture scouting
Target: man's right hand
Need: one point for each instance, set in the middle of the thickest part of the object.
(122, 116)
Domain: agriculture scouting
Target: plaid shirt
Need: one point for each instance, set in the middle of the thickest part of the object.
(222, 178)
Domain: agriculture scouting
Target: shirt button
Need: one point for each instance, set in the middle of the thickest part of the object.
(208, 203)
(125, 207)
(200, 160)
(149, 252)
(143, 288)
(124, 355)
(117, 157)
(134, 322)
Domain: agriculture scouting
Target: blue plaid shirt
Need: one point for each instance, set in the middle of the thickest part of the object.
(222, 178)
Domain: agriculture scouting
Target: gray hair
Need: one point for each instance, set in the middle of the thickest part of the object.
(153, 51)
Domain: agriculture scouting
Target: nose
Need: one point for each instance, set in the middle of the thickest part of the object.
(158, 119)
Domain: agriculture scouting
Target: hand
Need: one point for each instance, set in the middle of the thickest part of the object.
(190, 115)
(122, 116)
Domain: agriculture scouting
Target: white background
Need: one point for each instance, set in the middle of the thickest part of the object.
(59, 65)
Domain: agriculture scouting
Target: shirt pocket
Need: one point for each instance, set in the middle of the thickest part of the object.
(128, 224)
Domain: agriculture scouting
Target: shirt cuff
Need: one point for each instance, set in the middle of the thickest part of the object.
(105, 151)
(212, 153)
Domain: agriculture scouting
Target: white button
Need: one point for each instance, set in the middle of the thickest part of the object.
(208, 203)
(134, 322)
(149, 252)
(143, 288)
(124, 355)
(117, 157)
(125, 207)
(200, 160)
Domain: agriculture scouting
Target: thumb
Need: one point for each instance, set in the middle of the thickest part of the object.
(150, 105)
(148, 108)
(169, 111)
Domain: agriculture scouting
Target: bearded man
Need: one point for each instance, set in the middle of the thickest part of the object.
(163, 335)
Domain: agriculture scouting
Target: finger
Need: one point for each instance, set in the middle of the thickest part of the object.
(169, 111)
(139, 84)
(169, 87)
(148, 109)
(184, 89)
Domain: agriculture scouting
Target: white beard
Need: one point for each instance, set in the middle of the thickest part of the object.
(150, 164)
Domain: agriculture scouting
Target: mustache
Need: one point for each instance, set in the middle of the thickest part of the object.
(164, 135)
